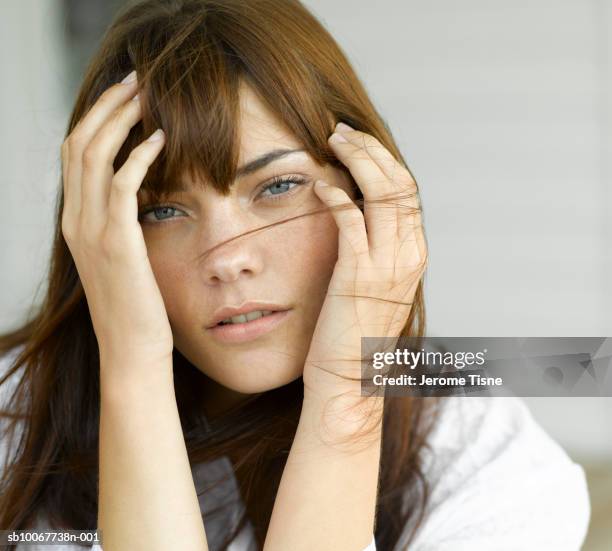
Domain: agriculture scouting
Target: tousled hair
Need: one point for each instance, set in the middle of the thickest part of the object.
(192, 57)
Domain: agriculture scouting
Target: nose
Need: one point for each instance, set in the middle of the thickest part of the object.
(231, 261)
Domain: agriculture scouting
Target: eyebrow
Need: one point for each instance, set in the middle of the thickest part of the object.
(259, 162)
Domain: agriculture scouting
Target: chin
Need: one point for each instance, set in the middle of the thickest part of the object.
(261, 382)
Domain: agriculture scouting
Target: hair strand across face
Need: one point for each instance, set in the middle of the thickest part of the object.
(192, 58)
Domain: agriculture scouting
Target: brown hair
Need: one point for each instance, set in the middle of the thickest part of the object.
(191, 57)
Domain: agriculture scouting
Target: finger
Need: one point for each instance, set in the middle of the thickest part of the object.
(410, 224)
(410, 259)
(123, 202)
(388, 164)
(98, 161)
(68, 208)
(109, 101)
(406, 200)
(413, 248)
(352, 236)
(81, 135)
(380, 216)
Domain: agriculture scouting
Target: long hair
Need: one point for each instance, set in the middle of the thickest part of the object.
(191, 57)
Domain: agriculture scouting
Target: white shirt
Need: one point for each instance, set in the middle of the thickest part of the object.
(497, 482)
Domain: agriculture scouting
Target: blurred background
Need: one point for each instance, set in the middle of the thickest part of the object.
(503, 111)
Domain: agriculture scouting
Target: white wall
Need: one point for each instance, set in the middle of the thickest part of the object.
(33, 112)
(499, 110)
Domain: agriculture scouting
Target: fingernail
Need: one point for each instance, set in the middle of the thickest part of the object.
(321, 183)
(156, 136)
(338, 138)
(343, 127)
(135, 98)
(129, 78)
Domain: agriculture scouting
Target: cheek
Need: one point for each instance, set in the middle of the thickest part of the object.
(314, 254)
(171, 276)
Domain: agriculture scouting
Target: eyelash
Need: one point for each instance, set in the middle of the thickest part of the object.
(275, 181)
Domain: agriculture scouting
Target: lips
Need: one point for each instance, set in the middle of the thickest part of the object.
(241, 333)
(229, 311)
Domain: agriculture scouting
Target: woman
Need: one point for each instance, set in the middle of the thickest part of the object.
(139, 368)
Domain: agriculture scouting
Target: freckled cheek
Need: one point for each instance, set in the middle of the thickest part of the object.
(171, 275)
(315, 255)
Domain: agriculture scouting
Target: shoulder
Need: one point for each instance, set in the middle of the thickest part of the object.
(7, 360)
(497, 480)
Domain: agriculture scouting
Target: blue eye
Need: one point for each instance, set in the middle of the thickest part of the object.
(155, 209)
(280, 183)
(278, 188)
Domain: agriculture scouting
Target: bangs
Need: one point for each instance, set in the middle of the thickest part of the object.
(193, 94)
(192, 66)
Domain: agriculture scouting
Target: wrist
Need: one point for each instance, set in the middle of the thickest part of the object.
(343, 415)
(120, 376)
(130, 350)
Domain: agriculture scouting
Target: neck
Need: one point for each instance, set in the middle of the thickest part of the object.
(219, 399)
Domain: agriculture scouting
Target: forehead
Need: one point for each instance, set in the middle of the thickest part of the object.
(259, 129)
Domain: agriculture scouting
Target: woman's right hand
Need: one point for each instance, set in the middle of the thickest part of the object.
(101, 228)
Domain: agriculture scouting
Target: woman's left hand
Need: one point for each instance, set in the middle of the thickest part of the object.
(377, 272)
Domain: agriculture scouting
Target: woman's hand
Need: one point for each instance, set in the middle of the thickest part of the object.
(376, 275)
(370, 294)
(101, 228)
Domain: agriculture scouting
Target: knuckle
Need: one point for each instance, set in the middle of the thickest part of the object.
(90, 155)
(106, 95)
(370, 141)
(120, 183)
(74, 141)
(139, 155)
(115, 87)
(354, 215)
(116, 118)
(109, 128)
(67, 230)
(65, 149)
(115, 123)
(76, 138)
(361, 155)
(365, 140)
(402, 177)
(425, 258)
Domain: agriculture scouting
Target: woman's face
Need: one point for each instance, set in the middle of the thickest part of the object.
(288, 265)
